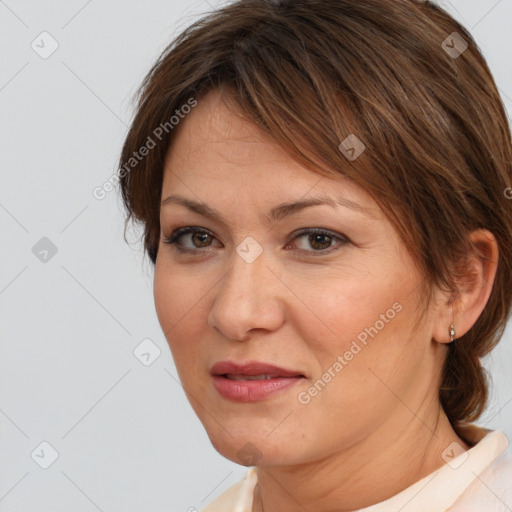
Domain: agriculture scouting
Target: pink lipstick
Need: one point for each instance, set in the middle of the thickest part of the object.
(251, 381)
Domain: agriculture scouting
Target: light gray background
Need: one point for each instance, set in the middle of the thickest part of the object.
(126, 437)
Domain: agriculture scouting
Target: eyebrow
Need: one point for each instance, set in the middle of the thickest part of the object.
(276, 214)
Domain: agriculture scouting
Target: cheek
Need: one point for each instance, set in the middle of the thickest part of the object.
(167, 305)
(359, 326)
(177, 292)
(341, 310)
(179, 301)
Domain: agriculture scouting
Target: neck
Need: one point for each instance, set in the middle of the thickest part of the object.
(393, 457)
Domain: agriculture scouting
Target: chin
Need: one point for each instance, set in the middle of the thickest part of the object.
(249, 448)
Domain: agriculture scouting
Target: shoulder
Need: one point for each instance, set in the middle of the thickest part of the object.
(237, 498)
(491, 490)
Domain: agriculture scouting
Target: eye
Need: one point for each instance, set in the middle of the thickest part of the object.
(200, 236)
(319, 239)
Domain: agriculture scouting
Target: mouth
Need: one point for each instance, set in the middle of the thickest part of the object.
(252, 381)
(250, 369)
(262, 376)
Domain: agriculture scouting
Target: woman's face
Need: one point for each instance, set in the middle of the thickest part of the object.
(335, 308)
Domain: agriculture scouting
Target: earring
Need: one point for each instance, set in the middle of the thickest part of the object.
(452, 332)
(452, 329)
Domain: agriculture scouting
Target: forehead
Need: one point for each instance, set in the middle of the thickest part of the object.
(216, 128)
(216, 149)
(216, 146)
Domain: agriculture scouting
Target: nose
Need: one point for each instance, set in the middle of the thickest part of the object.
(248, 299)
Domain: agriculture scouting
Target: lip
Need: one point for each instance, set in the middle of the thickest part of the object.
(252, 368)
(252, 390)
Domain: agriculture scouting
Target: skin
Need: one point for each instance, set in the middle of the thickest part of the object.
(377, 426)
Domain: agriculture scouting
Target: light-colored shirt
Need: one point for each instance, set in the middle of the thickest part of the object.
(477, 480)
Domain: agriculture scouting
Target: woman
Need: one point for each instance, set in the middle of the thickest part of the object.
(322, 190)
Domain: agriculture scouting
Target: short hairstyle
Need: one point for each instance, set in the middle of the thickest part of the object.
(310, 73)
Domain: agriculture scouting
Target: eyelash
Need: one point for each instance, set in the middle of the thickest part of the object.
(178, 233)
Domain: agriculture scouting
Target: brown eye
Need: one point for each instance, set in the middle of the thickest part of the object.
(319, 240)
(199, 238)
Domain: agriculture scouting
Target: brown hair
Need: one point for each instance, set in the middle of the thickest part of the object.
(438, 155)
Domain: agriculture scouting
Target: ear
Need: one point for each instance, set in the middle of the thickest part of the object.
(475, 279)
